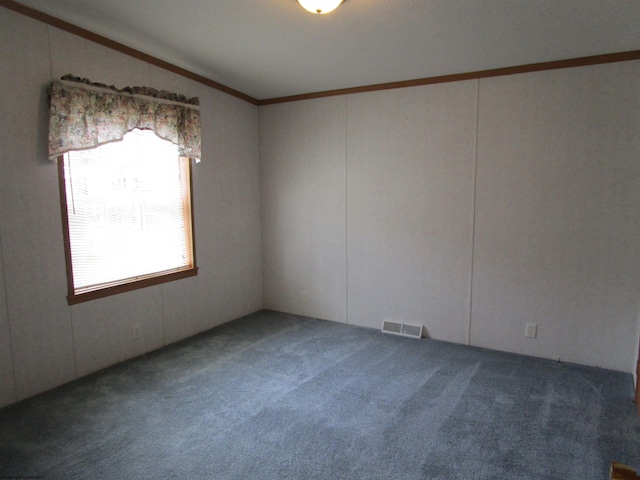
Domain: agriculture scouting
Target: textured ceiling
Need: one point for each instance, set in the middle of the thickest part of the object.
(274, 48)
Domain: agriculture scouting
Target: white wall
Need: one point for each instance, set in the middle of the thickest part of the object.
(34, 269)
(558, 214)
(410, 159)
(472, 207)
(43, 341)
(303, 207)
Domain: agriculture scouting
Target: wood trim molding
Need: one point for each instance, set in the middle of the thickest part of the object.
(65, 223)
(86, 34)
(118, 287)
(74, 299)
(618, 471)
(496, 72)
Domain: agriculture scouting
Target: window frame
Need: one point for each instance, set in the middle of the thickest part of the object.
(142, 281)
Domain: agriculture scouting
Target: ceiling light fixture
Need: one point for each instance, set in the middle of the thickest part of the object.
(320, 6)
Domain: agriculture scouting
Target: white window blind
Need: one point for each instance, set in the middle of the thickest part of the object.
(128, 211)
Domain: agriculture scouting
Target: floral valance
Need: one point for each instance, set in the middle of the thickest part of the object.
(84, 115)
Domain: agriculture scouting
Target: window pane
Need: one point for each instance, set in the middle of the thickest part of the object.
(126, 205)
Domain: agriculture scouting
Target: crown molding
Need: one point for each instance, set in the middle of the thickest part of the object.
(458, 77)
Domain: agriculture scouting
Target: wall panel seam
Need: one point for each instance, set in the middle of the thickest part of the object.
(473, 208)
(73, 343)
(6, 307)
(263, 297)
(163, 316)
(346, 206)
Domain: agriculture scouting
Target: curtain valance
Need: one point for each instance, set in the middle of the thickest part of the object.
(84, 115)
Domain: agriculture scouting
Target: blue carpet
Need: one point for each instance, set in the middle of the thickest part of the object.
(276, 396)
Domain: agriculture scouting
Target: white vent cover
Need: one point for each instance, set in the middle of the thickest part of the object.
(414, 331)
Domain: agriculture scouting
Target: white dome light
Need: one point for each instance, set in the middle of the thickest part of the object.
(320, 6)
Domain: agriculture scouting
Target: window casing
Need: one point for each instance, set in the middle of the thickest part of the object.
(127, 216)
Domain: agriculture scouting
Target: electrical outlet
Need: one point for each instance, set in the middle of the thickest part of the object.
(135, 332)
(531, 330)
(305, 297)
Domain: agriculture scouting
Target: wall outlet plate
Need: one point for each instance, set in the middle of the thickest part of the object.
(531, 330)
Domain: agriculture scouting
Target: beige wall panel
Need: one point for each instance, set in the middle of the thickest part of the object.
(7, 379)
(226, 188)
(302, 150)
(410, 204)
(103, 329)
(33, 254)
(232, 230)
(190, 304)
(82, 58)
(558, 214)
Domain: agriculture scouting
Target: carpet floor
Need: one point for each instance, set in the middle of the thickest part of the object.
(277, 396)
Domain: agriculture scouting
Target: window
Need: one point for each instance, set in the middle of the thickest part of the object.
(127, 216)
(125, 184)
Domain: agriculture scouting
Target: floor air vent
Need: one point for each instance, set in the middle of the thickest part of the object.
(414, 331)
